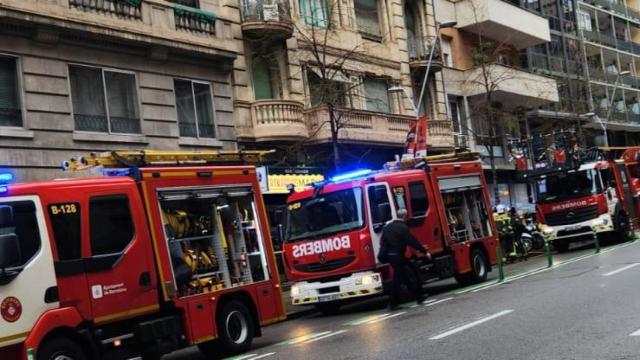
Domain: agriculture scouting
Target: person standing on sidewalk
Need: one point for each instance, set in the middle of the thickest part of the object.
(394, 241)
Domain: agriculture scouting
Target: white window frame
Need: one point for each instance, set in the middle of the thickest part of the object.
(106, 100)
(21, 90)
(447, 51)
(195, 112)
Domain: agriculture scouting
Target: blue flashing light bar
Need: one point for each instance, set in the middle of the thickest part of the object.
(351, 175)
(4, 189)
(6, 177)
(118, 172)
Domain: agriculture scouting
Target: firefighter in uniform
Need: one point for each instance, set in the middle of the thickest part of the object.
(395, 239)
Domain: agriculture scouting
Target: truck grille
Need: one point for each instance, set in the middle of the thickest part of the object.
(327, 266)
(572, 216)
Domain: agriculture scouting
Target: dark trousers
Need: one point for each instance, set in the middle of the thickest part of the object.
(403, 272)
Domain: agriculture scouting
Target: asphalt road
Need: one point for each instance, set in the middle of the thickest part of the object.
(585, 307)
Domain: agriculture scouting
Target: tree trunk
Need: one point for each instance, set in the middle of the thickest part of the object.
(334, 139)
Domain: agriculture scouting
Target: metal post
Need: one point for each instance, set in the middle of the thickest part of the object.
(547, 251)
(500, 264)
(595, 238)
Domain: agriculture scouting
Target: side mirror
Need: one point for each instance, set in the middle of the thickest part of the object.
(378, 227)
(9, 251)
(609, 195)
(530, 199)
(6, 216)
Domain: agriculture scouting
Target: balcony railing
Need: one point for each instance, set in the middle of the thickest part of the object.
(419, 49)
(192, 19)
(278, 119)
(359, 126)
(129, 9)
(266, 10)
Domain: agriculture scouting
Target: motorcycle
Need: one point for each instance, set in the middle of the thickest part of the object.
(531, 238)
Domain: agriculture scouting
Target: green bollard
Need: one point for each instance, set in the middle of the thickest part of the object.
(547, 251)
(500, 264)
(595, 238)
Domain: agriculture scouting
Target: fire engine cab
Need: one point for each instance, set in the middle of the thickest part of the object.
(598, 193)
(333, 228)
(166, 250)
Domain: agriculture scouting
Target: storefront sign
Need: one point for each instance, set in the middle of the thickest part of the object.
(277, 179)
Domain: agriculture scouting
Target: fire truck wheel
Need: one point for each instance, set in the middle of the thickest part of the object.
(60, 349)
(479, 269)
(235, 327)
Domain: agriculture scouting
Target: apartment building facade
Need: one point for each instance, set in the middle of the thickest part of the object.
(306, 59)
(595, 47)
(79, 76)
(488, 90)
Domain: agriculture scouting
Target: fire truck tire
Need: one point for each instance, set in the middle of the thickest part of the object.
(60, 349)
(235, 330)
(330, 308)
(479, 269)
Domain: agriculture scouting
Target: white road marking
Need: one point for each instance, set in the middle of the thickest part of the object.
(635, 333)
(243, 357)
(470, 325)
(369, 318)
(438, 301)
(325, 336)
(262, 356)
(386, 317)
(621, 269)
(307, 337)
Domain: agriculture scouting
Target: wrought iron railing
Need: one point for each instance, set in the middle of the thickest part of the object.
(266, 10)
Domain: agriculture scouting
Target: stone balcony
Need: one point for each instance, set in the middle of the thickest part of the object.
(278, 120)
(502, 21)
(158, 25)
(370, 128)
(511, 86)
(266, 19)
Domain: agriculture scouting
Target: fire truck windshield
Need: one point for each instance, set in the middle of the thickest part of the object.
(574, 184)
(325, 214)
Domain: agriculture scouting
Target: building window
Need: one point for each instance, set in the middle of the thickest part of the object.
(376, 95)
(315, 13)
(367, 17)
(110, 224)
(195, 109)
(584, 20)
(326, 91)
(447, 55)
(189, 3)
(104, 100)
(10, 108)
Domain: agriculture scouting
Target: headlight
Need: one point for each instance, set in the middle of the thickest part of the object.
(547, 230)
(367, 280)
(295, 291)
(600, 222)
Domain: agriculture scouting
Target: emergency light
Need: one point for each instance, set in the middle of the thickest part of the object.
(351, 175)
(5, 178)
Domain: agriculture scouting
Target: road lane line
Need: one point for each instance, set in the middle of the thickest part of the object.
(300, 339)
(438, 301)
(325, 336)
(386, 317)
(366, 319)
(470, 325)
(243, 357)
(621, 269)
(635, 333)
(262, 356)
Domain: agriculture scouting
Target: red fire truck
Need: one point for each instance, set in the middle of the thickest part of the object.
(165, 251)
(334, 227)
(599, 193)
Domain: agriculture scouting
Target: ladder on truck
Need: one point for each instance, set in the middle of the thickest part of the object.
(432, 159)
(142, 158)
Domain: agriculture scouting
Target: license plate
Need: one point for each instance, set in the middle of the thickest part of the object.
(331, 297)
(573, 228)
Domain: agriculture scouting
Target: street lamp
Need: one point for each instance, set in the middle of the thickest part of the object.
(592, 114)
(416, 108)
